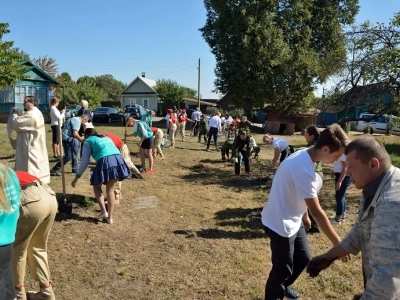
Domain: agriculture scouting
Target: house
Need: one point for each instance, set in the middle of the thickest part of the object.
(140, 91)
(357, 101)
(36, 83)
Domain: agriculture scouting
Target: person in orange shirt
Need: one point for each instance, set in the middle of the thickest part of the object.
(172, 125)
(119, 143)
(37, 212)
(158, 138)
(182, 119)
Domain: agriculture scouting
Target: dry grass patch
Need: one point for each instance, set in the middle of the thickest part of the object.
(200, 241)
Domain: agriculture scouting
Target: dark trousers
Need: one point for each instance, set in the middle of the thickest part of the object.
(290, 256)
(340, 195)
(245, 158)
(7, 291)
(213, 132)
(71, 150)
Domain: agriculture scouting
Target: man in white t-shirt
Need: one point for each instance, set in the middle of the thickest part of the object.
(294, 189)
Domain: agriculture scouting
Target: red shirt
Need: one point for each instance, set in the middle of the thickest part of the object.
(154, 129)
(118, 142)
(25, 178)
(182, 118)
(172, 119)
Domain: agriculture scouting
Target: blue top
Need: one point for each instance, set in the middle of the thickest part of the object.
(143, 130)
(72, 124)
(8, 219)
(97, 147)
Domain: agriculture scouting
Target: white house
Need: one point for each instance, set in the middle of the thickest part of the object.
(140, 91)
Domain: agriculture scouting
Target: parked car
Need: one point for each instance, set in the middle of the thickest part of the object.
(106, 115)
(376, 125)
(189, 113)
(71, 111)
(137, 112)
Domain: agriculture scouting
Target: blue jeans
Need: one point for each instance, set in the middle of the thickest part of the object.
(213, 132)
(71, 151)
(340, 195)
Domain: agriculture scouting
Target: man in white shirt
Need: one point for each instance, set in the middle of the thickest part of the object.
(215, 129)
(294, 189)
(196, 118)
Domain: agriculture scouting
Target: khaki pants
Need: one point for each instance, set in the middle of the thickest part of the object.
(172, 130)
(181, 130)
(158, 138)
(37, 212)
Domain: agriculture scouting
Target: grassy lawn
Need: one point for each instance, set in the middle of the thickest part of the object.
(199, 240)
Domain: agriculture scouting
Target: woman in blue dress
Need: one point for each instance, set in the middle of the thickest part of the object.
(110, 168)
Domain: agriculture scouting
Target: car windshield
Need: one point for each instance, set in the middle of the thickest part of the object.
(132, 110)
(71, 106)
(102, 109)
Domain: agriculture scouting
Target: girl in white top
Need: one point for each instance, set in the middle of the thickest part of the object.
(282, 148)
(55, 117)
(342, 182)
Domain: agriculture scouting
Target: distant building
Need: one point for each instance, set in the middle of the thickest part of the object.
(36, 83)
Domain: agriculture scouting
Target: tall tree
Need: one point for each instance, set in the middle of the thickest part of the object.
(110, 85)
(47, 64)
(10, 69)
(274, 51)
(371, 74)
(169, 91)
(190, 93)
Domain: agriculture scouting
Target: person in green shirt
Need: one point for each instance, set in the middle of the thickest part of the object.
(203, 129)
(245, 125)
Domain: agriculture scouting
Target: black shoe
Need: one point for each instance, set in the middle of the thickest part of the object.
(291, 293)
(314, 229)
(73, 172)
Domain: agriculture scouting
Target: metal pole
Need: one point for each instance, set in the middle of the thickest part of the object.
(198, 85)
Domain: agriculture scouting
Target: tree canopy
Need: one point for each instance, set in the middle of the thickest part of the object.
(11, 70)
(371, 73)
(170, 91)
(274, 51)
(47, 64)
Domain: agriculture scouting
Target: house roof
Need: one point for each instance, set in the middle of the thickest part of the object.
(32, 67)
(195, 101)
(149, 82)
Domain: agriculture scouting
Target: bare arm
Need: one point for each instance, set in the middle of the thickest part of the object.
(342, 176)
(322, 220)
(277, 153)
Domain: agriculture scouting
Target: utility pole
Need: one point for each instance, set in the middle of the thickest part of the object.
(198, 85)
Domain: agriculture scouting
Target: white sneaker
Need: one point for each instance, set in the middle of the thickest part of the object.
(103, 215)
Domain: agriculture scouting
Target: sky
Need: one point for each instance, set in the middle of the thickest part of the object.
(127, 37)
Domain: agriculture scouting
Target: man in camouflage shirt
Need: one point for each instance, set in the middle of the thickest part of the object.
(203, 129)
(376, 232)
(245, 125)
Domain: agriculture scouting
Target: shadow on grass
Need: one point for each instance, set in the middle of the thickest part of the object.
(12, 156)
(64, 217)
(232, 223)
(209, 172)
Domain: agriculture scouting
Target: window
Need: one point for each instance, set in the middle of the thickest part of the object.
(146, 103)
(20, 93)
(132, 101)
(41, 94)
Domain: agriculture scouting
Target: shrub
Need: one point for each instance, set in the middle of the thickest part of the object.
(212, 110)
(347, 127)
(389, 128)
(238, 112)
(367, 129)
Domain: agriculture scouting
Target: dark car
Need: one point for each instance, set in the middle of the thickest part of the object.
(189, 113)
(137, 112)
(106, 115)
